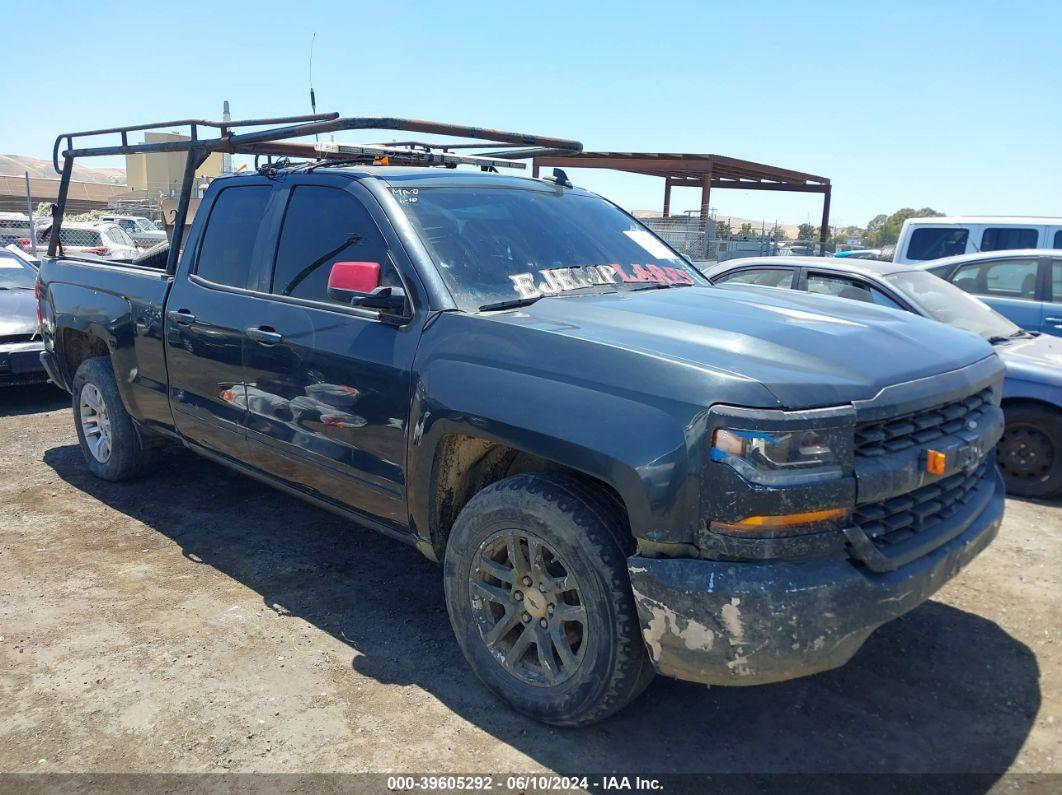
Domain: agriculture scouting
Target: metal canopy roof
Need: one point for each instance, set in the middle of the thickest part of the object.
(690, 169)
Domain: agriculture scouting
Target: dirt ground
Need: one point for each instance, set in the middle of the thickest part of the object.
(198, 621)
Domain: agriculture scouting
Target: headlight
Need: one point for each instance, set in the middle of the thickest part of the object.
(793, 456)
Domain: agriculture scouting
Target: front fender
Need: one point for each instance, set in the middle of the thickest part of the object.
(1017, 388)
(639, 450)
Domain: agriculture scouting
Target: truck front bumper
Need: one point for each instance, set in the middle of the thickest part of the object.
(731, 623)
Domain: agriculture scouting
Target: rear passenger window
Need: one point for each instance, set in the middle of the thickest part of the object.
(323, 226)
(1056, 280)
(1005, 238)
(228, 243)
(1015, 278)
(853, 289)
(934, 243)
(763, 277)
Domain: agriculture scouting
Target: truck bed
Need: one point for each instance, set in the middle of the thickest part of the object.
(122, 305)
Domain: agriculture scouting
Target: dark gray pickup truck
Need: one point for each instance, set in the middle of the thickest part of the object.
(623, 469)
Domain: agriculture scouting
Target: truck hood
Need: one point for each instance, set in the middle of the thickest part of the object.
(808, 350)
(18, 312)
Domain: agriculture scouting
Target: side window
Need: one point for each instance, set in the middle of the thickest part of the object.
(1015, 278)
(763, 277)
(1058, 239)
(322, 226)
(937, 242)
(1056, 280)
(879, 298)
(231, 231)
(1005, 238)
(824, 284)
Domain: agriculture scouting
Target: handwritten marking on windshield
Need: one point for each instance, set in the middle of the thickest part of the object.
(553, 281)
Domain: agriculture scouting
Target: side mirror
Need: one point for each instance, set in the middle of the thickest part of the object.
(358, 284)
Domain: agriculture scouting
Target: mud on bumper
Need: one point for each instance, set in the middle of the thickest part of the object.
(751, 623)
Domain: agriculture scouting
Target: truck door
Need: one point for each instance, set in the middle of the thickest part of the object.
(328, 385)
(206, 317)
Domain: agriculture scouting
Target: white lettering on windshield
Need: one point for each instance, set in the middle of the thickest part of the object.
(553, 281)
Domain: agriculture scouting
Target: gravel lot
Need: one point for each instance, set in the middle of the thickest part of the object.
(198, 621)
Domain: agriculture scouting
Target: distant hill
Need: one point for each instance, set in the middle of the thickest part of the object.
(17, 165)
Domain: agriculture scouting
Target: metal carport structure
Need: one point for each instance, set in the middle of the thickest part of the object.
(688, 170)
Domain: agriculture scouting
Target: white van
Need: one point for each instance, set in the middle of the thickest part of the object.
(924, 239)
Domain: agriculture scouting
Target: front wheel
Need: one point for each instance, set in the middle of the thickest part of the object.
(1030, 452)
(540, 600)
(110, 443)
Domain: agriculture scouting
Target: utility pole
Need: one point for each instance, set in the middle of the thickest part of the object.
(226, 159)
(29, 212)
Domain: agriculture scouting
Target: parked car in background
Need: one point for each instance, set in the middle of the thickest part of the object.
(1025, 285)
(923, 239)
(144, 233)
(20, 341)
(97, 240)
(16, 250)
(1030, 452)
(859, 253)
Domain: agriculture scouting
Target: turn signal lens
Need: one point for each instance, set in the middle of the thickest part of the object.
(780, 524)
(936, 462)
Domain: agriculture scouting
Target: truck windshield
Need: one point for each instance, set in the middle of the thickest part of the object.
(947, 303)
(500, 245)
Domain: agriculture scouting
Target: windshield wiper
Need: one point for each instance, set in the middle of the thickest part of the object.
(997, 340)
(659, 286)
(511, 303)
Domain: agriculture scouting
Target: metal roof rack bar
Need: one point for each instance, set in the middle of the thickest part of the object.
(276, 140)
(426, 157)
(295, 127)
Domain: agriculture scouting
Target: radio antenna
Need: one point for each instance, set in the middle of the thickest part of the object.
(313, 99)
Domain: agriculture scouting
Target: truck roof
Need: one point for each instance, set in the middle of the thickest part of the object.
(1009, 220)
(426, 176)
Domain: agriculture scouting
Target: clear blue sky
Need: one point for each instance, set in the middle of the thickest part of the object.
(954, 105)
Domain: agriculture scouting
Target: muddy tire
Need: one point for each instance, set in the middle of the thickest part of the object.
(110, 444)
(1030, 452)
(540, 600)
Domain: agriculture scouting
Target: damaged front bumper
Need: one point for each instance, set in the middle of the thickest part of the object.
(731, 623)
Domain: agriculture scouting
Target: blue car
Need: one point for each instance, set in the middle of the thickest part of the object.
(1023, 285)
(1030, 452)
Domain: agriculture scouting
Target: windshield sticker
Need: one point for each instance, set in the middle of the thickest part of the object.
(650, 244)
(554, 281)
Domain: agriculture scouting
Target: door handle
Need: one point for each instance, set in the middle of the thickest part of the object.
(264, 335)
(1053, 319)
(182, 316)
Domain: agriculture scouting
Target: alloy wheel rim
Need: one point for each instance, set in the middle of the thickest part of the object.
(95, 423)
(529, 608)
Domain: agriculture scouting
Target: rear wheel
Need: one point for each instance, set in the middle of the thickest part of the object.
(1030, 452)
(110, 443)
(539, 598)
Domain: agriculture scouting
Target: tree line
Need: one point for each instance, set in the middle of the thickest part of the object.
(881, 230)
